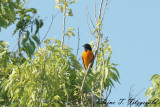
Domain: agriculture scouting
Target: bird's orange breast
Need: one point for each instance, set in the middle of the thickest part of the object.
(87, 57)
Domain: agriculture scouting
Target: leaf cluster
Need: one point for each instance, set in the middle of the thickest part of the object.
(61, 78)
(153, 92)
(111, 73)
(63, 5)
(8, 11)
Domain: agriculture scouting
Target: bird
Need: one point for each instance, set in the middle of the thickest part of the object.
(87, 55)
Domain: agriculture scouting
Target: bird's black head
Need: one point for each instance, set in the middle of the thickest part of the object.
(87, 47)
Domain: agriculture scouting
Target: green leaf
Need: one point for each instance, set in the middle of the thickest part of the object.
(115, 70)
(3, 22)
(57, 98)
(106, 73)
(100, 22)
(36, 39)
(149, 90)
(114, 64)
(47, 41)
(70, 29)
(59, 6)
(73, 1)
(57, 105)
(70, 12)
(113, 76)
(33, 10)
(25, 38)
(32, 44)
(41, 23)
(37, 26)
(95, 30)
(57, 1)
(154, 76)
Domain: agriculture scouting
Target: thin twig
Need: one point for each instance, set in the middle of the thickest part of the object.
(100, 9)
(95, 13)
(107, 95)
(99, 37)
(90, 17)
(16, 43)
(88, 24)
(109, 92)
(130, 94)
(78, 43)
(94, 88)
(90, 37)
(19, 46)
(41, 103)
(138, 93)
(84, 79)
(64, 22)
(49, 26)
(103, 75)
(104, 9)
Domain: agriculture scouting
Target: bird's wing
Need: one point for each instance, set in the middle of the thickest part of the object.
(83, 62)
(92, 60)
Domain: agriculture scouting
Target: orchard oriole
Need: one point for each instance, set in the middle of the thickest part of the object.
(87, 55)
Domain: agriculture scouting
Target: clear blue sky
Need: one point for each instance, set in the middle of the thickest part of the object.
(132, 27)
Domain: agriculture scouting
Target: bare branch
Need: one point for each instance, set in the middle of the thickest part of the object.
(108, 94)
(88, 24)
(84, 79)
(64, 19)
(90, 17)
(90, 38)
(19, 46)
(16, 44)
(104, 9)
(95, 13)
(100, 9)
(103, 75)
(131, 94)
(78, 43)
(49, 27)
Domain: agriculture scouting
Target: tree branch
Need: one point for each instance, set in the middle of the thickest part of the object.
(49, 27)
(41, 103)
(64, 19)
(90, 17)
(78, 43)
(19, 46)
(89, 67)
(95, 12)
(88, 24)
(103, 75)
(104, 9)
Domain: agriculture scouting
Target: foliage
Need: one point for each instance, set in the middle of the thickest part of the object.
(59, 70)
(60, 73)
(63, 5)
(8, 11)
(49, 76)
(153, 92)
(26, 25)
(4, 57)
(111, 73)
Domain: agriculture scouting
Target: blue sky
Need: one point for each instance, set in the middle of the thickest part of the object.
(132, 27)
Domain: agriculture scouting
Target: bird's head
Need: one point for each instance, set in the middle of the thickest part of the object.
(87, 47)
